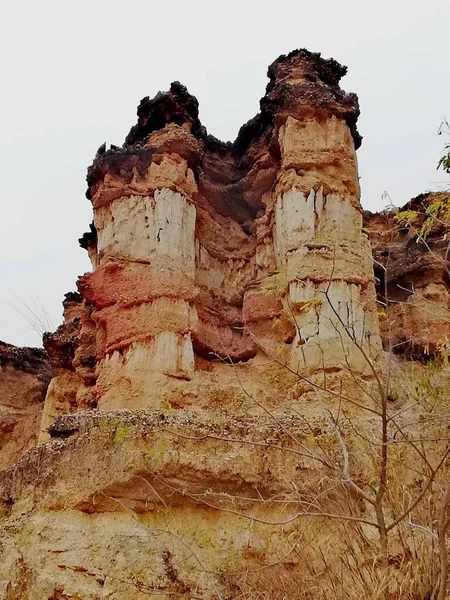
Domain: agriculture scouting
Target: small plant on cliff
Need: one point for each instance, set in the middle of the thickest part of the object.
(274, 283)
(32, 310)
(444, 161)
(435, 213)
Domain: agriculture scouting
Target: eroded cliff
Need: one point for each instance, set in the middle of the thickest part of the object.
(412, 263)
(220, 403)
(204, 251)
(24, 377)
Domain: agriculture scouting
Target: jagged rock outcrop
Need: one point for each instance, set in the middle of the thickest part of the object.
(206, 251)
(24, 377)
(412, 263)
(223, 368)
(71, 350)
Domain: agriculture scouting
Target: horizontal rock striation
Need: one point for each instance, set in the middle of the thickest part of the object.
(223, 372)
(113, 492)
(134, 497)
(212, 251)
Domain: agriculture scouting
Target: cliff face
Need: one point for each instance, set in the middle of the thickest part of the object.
(223, 359)
(71, 351)
(412, 263)
(205, 252)
(24, 377)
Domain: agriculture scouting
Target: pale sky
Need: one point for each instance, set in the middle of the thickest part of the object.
(72, 74)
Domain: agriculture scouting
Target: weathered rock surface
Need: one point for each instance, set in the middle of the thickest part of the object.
(412, 264)
(133, 516)
(159, 503)
(71, 350)
(228, 329)
(24, 377)
(205, 251)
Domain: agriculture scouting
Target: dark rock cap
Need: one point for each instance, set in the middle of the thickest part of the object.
(300, 83)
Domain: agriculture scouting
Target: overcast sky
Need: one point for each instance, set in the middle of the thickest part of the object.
(72, 74)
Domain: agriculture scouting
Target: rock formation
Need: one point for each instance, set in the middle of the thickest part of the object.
(412, 264)
(24, 377)
(71, 351)
(204, 251)
(227, 336)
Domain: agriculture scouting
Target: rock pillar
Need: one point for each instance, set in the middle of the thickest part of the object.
(321, 251)
(205, 251)
(143, 284)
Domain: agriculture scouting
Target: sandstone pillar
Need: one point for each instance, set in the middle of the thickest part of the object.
(146, 260)
(321, 251)
(143, 285)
